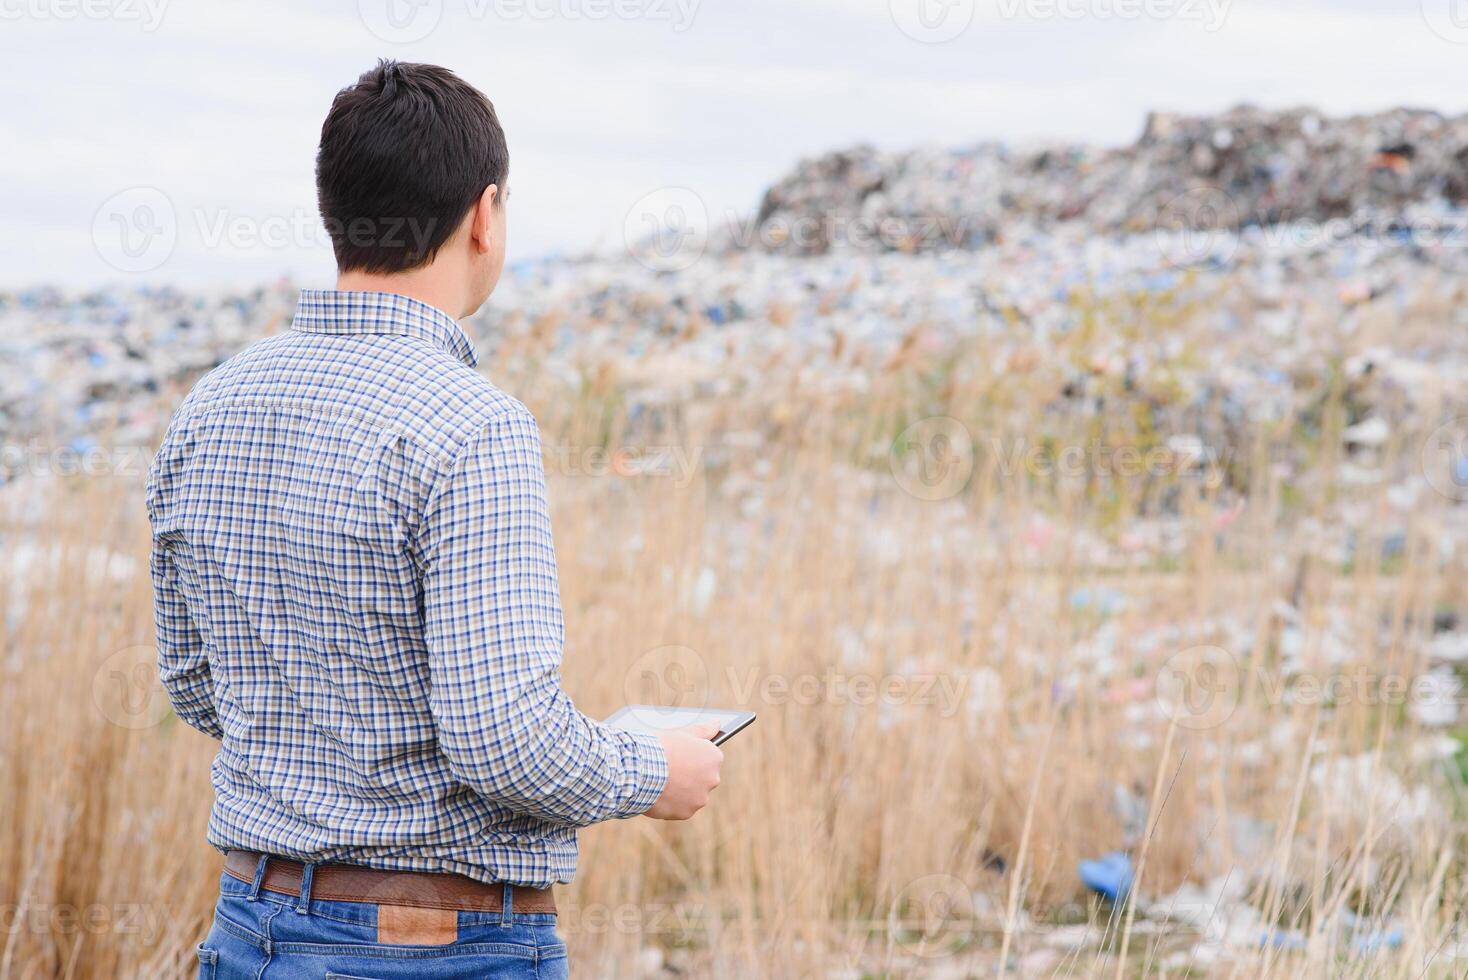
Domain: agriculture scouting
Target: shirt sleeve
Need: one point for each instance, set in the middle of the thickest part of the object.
(493, 628)
(183, 664)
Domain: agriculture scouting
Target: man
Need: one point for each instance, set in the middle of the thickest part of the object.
(356, 594)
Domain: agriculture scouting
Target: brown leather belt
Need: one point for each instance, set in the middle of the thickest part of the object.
(410, 889)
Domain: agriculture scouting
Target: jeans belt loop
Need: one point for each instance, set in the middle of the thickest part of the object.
(303, 901)
(259, 877)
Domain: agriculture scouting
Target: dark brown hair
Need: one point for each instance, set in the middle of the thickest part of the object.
(404, 155)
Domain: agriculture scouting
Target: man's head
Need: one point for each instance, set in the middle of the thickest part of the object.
(410, 177)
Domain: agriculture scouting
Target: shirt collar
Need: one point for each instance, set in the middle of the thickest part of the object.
(335, 311)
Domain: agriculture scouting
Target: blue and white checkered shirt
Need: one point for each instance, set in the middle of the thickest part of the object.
(356, 594)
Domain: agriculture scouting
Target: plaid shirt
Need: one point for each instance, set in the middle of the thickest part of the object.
(355, 592)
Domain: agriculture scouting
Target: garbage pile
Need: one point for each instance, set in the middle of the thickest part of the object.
(87, 377)
(1261, 331)
(1246, 167)
(1243, 329)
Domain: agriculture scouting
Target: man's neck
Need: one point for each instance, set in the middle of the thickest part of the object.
(420, 284)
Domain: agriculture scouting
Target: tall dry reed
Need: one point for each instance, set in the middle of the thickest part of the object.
(972, 672)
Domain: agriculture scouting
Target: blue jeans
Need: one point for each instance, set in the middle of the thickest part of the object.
(278, 937)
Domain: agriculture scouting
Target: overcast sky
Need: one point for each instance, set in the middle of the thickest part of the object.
(134, 117)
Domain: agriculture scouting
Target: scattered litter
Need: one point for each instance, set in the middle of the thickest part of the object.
(1109, 876)
(1107, 602)
(1374, 942)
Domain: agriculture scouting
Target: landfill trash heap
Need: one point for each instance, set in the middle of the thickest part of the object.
(1246, 167)
(1209, 344)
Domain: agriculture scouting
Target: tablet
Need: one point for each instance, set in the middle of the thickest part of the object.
(649, 719)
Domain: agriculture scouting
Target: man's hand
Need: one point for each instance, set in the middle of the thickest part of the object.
(693, 772)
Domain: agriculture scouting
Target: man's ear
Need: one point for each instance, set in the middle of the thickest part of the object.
(484, 219)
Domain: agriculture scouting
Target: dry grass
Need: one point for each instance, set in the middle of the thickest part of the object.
(1011, 708)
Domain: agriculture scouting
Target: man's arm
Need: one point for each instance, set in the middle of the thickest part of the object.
(183, 664)
(492, 623)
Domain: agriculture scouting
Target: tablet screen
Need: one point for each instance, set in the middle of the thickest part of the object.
(650, 719)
